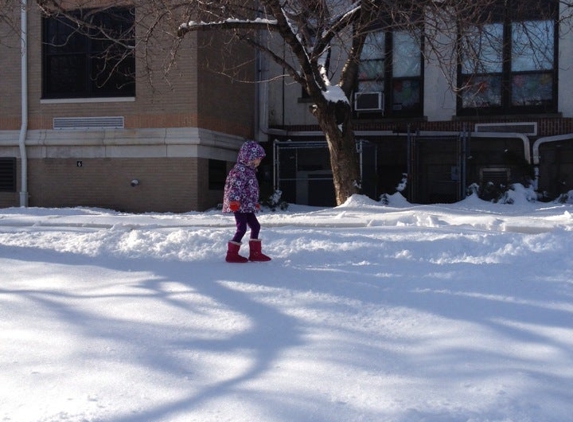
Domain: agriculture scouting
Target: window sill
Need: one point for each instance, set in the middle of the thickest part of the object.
(506, 116)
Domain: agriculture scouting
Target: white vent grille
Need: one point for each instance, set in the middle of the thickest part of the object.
(525, 128)
(82, 123)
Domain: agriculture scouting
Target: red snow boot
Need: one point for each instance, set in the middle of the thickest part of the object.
(255, 251)
(233, 253)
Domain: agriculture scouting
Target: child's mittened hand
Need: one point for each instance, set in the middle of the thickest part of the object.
(234, 206)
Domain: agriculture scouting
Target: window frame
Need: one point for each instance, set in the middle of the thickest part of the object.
(88, 53)
(390, 82)
(505, 76)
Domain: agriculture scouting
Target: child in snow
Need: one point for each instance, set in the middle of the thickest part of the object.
(241, 197)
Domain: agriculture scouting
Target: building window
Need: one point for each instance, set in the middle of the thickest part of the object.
(8, 174)
(217, 174)
(92, 60)
(508, 65)
(391, 65)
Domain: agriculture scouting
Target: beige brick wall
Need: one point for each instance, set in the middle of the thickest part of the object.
(9, 199)
(223, 100)
(165, 184)
(10, 104)
(174, 177)
(192, 94)
(155, 101)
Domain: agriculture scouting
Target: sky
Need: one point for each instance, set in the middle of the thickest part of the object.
(367, 312)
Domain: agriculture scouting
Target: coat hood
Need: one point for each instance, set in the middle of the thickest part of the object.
(250, 151)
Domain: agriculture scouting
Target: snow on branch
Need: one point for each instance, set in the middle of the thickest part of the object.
(230, 23)
(334, 94)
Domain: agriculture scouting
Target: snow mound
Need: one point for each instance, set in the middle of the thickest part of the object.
(565, 198)
(519, 195)
(397, 200)
(359, 201)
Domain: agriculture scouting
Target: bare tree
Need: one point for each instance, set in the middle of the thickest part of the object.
(314, 30)
(325, 40)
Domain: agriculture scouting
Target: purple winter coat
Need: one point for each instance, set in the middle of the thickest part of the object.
(241, 184)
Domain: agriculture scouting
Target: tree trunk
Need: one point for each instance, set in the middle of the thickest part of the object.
(335, 120)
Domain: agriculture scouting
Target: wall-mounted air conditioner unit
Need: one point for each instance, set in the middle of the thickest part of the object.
(369, 101)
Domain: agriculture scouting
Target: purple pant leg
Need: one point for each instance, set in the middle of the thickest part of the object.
(241, 223)
(254, 225)
(243, 220)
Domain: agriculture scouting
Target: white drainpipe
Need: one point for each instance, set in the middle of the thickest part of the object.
(24, 127)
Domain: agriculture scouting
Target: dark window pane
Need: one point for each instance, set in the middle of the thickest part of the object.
(8, 174)
(67, 73)
(532, 46)
(62, 36)
(108, 76)
(406, 94)
(482, 91)
(102, 63)
(531, 89)
(483, 52)
(407, 60)
(371, 65)
(374, 46)
(371, 69)
(371, 86)
(217, 174)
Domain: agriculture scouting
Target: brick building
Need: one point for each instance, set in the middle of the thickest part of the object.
(134, 141)
(139, 141)
(509, 122)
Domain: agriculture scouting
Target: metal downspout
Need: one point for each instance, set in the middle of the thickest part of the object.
(24, 90)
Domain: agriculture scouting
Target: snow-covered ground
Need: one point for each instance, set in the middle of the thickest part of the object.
(372, 313)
